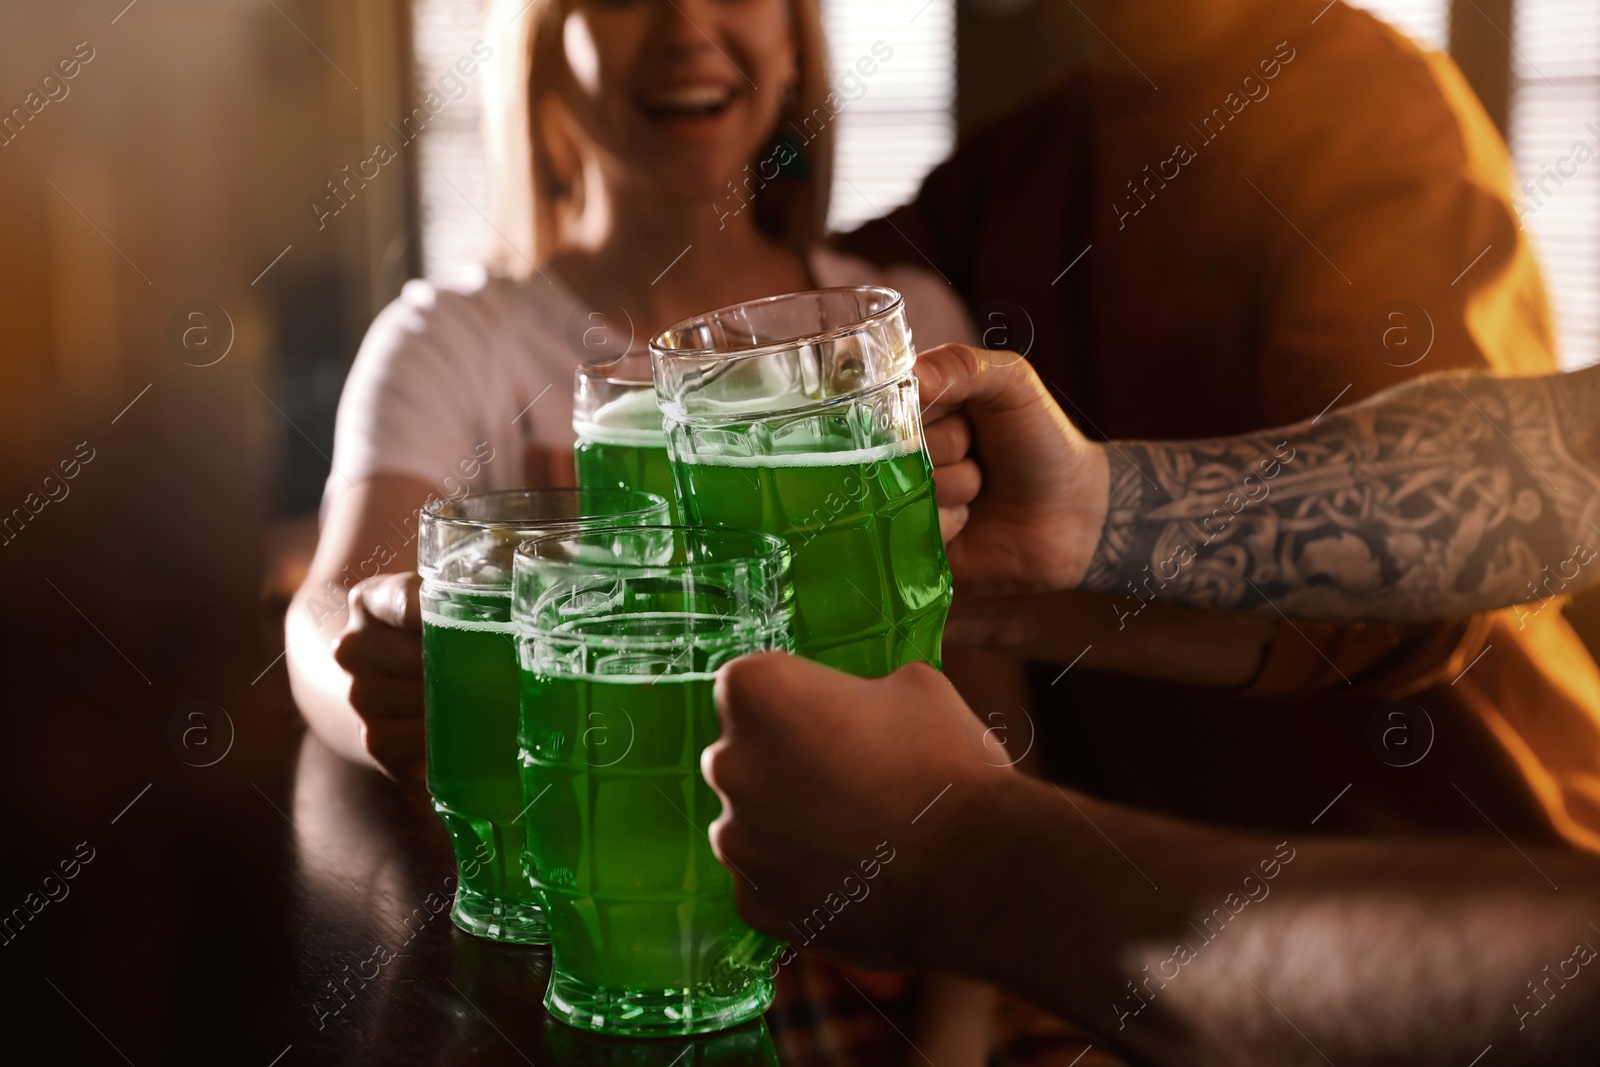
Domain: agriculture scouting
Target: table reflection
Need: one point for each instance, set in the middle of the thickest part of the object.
(747, 1044)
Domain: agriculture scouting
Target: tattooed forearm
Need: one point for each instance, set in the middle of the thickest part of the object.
(1445, 496)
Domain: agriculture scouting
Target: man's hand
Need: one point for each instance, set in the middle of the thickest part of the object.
(846, 802)
(1022, 494)
(859, 819)
(380, 649)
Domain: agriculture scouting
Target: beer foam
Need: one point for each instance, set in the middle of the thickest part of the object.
(471, 625)
(855, 457)
(631, 419)
(676, 678)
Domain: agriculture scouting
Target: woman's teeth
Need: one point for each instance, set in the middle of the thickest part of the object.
(687, 102)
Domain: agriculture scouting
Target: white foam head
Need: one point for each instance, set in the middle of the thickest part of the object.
(631, 419)
(853, 457)
(433, 618)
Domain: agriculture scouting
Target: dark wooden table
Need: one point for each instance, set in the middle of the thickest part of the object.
(387, 978)
(248, 897)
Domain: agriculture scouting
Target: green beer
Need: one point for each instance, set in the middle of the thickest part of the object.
(469, 669)
(614, 450)
(798, 415)
(620, 634)
(633, 894)
(620, 442)
(871, 585)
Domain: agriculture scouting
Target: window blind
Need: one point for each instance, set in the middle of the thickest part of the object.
(1426, 21)
(896, 124)
(1555, 140)
(452, 167)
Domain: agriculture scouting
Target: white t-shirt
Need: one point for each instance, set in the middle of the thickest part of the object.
(472, 385)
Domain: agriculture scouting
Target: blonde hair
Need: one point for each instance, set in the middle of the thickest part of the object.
(530, 195)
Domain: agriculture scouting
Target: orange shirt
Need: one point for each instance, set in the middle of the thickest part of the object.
(1308, 214)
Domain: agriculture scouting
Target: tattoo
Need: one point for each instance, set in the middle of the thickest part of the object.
(1445, 496)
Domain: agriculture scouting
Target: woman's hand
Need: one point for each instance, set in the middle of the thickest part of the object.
(354, 646)
(380, 650)
(1022, 494)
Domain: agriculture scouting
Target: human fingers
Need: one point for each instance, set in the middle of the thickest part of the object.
(792, 728)
(751, 694)
(952, 521)
(392, 599)
(949, 439)
(824, 800)
(378, 696)
(370, 647)
(384, 631)
(751, 691)
(953, 376)
(957, 483)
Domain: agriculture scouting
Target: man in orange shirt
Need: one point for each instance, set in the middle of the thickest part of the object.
(1243, 214)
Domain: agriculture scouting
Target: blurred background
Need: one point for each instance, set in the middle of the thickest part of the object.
(186, 271)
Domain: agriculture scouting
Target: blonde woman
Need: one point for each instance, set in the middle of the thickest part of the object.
(654, 159)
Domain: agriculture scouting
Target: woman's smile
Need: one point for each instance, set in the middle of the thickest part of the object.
(696, 110)
(688, 101)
